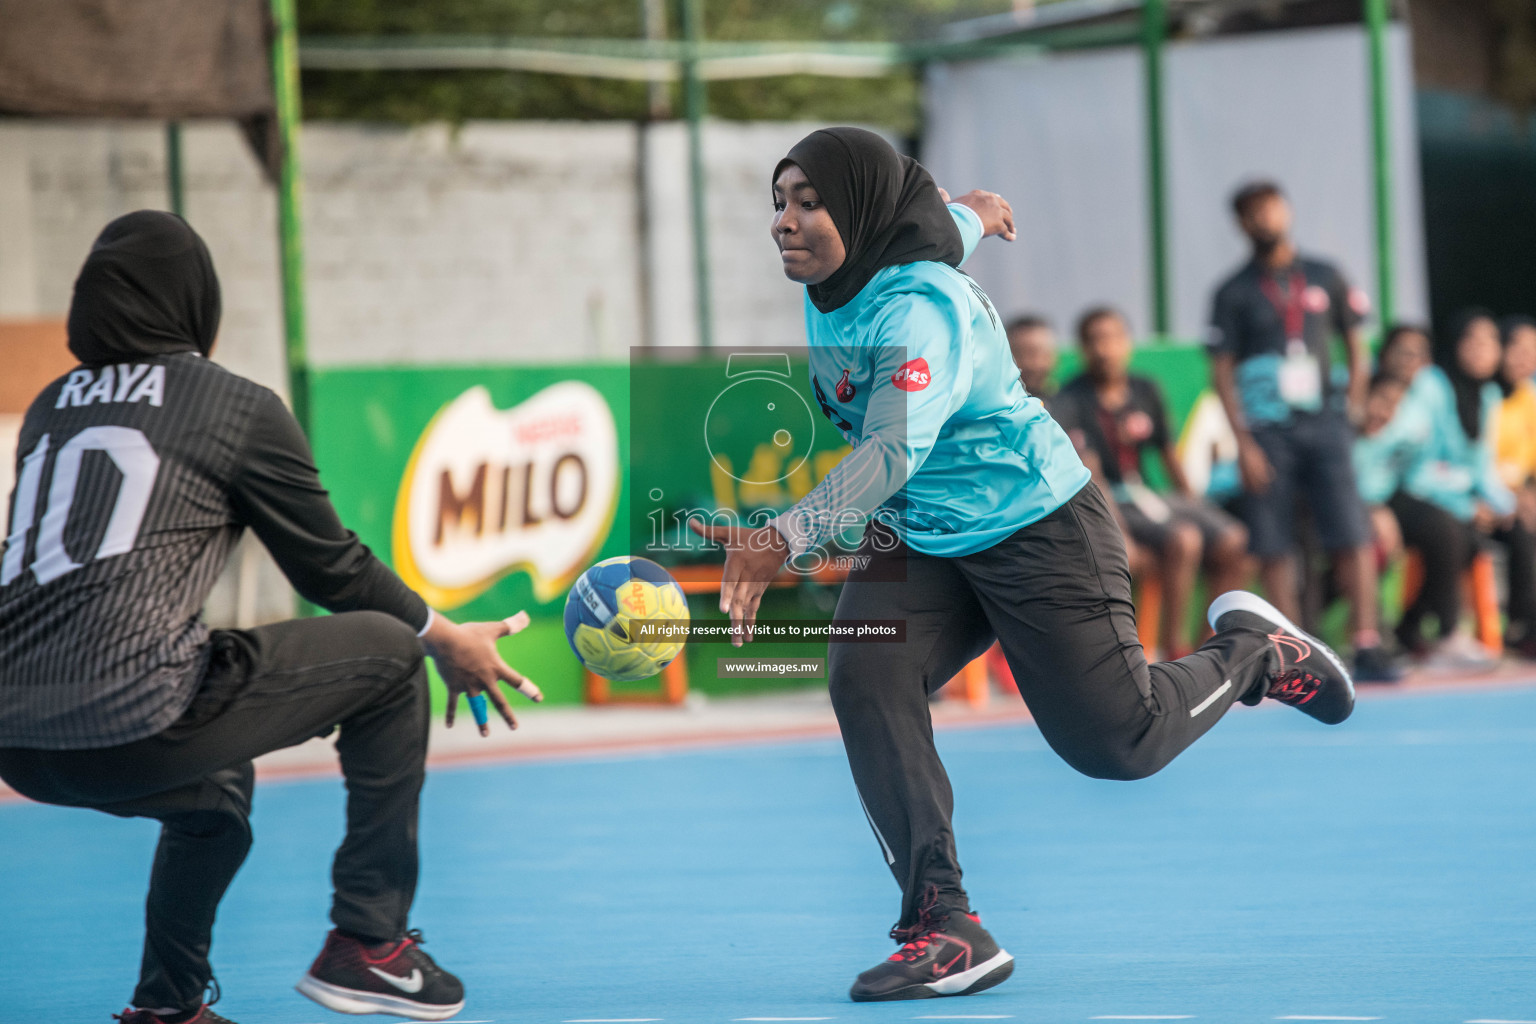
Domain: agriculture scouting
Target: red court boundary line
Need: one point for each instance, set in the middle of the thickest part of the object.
(1013, 714)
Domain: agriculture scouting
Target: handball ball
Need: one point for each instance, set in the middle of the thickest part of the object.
(606, 605)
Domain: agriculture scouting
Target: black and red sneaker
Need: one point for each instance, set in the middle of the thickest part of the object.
(1305, 673)
(947, 953)
(346, 978)
(203, 1016)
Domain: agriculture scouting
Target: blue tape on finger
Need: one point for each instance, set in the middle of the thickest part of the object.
(481, 707)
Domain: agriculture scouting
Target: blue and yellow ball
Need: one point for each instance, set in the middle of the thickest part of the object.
(605, 607)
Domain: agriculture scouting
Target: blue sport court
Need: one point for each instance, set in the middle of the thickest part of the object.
(1279, 870)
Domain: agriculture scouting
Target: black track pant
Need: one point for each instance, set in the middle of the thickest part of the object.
(264, 689)
(1446, 546)
(1057, 594)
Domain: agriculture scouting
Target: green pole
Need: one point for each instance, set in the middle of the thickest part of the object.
(285, 82)
(1154, 32)
(174, 185)
(695, 99)
(1376, 18)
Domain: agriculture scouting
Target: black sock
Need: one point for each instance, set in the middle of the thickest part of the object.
(371, 941)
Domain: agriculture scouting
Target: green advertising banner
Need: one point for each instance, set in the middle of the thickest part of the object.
(488, 488)
(491, 488)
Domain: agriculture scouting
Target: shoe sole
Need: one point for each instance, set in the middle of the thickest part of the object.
(351, 1000)
(978, 979)
(1243, 601)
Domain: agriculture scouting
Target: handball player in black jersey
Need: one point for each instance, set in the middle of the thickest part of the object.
(137, 473)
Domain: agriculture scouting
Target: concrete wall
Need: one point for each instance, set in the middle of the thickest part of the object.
(1063, 138)
(495, 242)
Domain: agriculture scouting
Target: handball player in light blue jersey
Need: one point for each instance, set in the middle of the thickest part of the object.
(983, 525)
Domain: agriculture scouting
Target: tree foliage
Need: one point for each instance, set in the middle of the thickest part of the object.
(891, 101)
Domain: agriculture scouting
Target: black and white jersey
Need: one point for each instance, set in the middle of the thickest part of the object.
(134, 482)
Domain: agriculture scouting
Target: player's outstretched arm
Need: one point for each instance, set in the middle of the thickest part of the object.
(470, 664)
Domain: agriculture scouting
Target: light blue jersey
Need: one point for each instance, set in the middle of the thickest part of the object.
(1457, 471)
(916, 374)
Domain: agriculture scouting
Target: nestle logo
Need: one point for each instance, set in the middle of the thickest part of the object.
(913, 375)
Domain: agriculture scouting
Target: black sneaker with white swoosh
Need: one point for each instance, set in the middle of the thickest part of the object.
(404, 981)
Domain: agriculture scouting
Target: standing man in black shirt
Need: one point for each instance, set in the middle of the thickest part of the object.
(138, 472)
(1119, 418)
(1271, 344)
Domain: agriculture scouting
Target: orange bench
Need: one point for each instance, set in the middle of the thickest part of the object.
(1482, 591)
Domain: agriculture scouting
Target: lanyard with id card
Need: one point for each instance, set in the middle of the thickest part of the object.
(1300, 376)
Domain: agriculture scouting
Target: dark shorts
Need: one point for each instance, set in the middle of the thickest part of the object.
(1211, 521)
(1312, 461)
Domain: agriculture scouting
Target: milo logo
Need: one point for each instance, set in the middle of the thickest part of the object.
(491, 491)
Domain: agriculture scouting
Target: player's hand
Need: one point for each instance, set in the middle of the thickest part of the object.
(995, 213)
(1253, 465)
(1356, 393)
(1486, 520)
(752, 559)
(469, 663)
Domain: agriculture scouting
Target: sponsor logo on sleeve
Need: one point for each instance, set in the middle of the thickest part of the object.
(1315, 299)
(1359, 301)
(913, 375)
(845, 389)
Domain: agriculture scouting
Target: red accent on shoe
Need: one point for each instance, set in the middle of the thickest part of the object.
(1295, 688)
(1298, 646)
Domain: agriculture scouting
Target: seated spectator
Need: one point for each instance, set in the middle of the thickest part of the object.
(1032, 341)
(1395, 441)
(1116, 417)
(1460, 474)
(1516, 444)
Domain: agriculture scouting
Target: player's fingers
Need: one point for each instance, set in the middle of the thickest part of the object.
(749, 616)
(517, 623)
(453, 703)
(710, 531)
(944, 195)
(730, 581)
(500, 700)
(519, 682)
(738, 626)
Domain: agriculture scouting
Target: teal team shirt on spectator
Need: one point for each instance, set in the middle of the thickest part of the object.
(1456, 471)
(916, 374)
(1386, 460)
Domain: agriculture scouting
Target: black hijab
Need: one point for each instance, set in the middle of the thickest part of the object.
(886, 207)
(147, 289)
(1468, 390)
